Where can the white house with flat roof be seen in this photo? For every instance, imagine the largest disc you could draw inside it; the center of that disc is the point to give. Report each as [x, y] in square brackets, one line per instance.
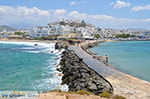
[86, 32]
[39, 32]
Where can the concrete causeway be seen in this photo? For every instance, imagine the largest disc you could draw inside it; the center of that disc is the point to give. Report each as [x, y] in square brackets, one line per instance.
[123, 84]
[94, 64]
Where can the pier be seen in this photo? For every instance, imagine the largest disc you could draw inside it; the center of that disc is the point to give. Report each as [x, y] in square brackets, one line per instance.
[93, 63]
[123, 84]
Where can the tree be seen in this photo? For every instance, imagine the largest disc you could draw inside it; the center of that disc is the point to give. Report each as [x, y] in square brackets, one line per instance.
[97, 36]
[124, 35]
[83, 24]
[19, 33]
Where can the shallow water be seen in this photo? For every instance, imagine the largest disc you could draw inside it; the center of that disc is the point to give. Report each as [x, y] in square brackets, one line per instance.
[133, 57]
[25, 67]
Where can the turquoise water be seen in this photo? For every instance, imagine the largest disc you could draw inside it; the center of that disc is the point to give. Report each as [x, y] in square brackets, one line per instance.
[133, 57]
[25, 67]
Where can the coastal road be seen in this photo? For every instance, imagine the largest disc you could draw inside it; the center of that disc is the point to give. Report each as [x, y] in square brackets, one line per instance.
[123, 84]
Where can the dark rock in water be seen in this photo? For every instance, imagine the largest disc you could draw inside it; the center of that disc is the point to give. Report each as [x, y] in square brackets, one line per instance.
[58, 69]
[35, 44]
[66, 80]
[56, 58]
[78, 76]
[60, 45]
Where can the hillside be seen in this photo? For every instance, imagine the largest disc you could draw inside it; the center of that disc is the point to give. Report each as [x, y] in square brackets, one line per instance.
[5, 27]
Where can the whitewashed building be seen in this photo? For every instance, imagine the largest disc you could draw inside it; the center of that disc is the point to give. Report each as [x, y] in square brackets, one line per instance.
[86, 32]
[5, 33]
[39, 32]
[82, 29]
[60, 29]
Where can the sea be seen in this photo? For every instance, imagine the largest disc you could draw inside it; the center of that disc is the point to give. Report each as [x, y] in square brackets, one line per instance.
[29, 66]
[131, 57]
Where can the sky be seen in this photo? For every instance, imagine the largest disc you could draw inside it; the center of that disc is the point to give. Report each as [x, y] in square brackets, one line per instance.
[119, 14]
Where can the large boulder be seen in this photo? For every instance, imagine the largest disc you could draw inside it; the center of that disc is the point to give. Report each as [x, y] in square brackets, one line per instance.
[61, 45]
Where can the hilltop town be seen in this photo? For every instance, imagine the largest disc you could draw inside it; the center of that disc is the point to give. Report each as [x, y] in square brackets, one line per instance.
[78, 29]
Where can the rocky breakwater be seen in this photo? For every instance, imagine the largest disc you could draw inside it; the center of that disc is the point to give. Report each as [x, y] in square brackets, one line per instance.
[78, 76]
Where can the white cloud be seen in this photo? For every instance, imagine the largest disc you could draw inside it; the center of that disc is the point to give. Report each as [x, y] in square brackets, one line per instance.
[30, 11]
[16, 15]
[140, 8]
[110, 21]
[60, 11]
[73, 3]
[78, 2]
[76, 14]
[36, 16]
[101, 17]
[120, 4]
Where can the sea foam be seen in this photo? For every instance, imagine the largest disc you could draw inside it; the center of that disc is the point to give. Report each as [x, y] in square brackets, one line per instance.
[53, 82]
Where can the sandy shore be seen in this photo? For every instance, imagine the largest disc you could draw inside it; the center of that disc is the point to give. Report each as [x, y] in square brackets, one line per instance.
[19, 40]
[123, 84]
[56, 95]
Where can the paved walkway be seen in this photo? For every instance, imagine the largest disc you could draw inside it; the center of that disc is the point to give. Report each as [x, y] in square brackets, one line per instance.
[94, 64]
[123, 84]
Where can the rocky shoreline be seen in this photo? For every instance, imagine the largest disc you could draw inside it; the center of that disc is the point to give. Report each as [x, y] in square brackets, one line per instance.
[87, 46]
[78, 76]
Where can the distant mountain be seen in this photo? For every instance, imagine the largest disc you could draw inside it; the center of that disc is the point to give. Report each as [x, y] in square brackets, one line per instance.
[22, 26]
[7, 28]
[138, 29]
